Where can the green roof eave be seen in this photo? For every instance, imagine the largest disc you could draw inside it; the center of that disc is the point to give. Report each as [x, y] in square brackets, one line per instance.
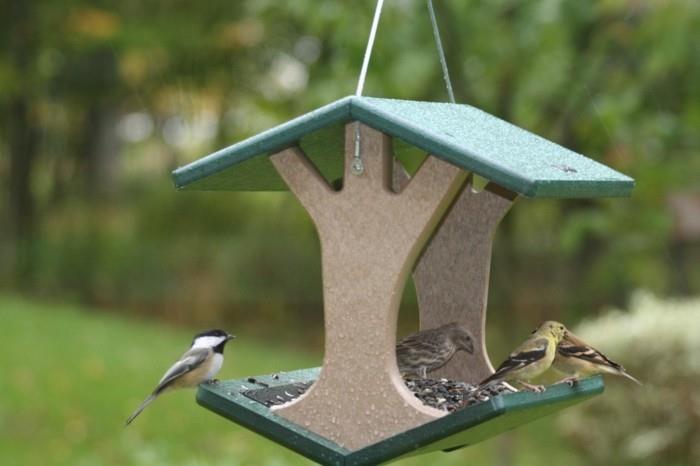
[265, 143]
[460, 134]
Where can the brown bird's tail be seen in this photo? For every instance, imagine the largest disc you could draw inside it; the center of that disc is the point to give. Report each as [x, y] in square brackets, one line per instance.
[625, 374]
[141, 407]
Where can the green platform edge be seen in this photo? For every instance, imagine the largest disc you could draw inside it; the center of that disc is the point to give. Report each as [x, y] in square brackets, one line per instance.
[460, 134]
[462, 428]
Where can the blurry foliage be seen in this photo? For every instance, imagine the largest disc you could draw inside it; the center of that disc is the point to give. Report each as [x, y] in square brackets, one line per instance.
[101, 99]
[658, 423]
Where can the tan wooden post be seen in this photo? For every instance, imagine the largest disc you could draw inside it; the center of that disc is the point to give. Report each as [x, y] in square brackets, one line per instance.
[452, 275]
[370, 239]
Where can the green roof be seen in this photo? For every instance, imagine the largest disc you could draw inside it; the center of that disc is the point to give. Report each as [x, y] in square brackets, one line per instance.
[460, 134]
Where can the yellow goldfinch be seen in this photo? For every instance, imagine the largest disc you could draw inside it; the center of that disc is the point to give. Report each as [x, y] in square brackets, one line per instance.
[577, 359]
[532, 358]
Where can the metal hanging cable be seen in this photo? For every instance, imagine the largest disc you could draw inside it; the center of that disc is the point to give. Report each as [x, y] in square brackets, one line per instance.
[370, 46]
[357, 167]
[441, 52]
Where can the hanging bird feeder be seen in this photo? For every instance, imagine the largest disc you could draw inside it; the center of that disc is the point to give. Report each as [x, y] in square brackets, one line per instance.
[378, 223]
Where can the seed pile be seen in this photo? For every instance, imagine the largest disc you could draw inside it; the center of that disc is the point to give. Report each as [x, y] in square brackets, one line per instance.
[443, 394]
[449, 395]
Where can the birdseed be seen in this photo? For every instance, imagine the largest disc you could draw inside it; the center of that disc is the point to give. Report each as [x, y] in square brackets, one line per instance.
[448, 395]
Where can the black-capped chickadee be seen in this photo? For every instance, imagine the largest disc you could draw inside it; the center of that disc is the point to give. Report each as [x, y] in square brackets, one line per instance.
[199, 364]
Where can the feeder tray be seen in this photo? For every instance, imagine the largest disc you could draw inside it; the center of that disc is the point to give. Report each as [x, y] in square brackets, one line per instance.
[244, 402]
[413, 208]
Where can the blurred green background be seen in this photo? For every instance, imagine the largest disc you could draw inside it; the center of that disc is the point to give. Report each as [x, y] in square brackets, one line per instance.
[106, 271]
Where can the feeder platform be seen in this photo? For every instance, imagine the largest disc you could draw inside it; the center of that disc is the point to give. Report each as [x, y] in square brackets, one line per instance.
[233, 399]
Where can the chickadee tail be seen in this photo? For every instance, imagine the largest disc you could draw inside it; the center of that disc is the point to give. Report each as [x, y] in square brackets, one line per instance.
[141, 407]
[625, 374]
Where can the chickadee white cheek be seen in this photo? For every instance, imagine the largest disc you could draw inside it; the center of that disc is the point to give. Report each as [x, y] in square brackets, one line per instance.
[208, 342]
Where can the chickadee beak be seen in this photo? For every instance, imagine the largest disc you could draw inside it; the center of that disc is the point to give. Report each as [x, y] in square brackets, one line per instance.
[230, 337]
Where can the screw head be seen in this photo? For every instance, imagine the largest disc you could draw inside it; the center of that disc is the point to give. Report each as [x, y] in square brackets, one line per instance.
[357, 167]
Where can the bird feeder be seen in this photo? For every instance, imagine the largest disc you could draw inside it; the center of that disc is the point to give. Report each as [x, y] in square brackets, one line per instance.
[377, 223]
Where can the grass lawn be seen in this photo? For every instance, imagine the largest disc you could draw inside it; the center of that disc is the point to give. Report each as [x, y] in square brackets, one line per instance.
[70, 377]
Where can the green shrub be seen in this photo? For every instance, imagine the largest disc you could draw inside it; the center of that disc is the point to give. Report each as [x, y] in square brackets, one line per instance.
[658, 342]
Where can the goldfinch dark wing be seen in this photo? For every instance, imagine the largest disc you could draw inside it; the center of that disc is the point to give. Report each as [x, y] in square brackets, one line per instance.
[189, 361]
[586, 353]
[519, 359]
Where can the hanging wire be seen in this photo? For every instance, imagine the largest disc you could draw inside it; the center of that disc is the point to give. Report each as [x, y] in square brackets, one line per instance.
[357, 167]
[441, 52]
[370, 45]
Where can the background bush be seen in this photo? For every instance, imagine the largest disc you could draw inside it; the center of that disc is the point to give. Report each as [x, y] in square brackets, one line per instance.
[659, 423]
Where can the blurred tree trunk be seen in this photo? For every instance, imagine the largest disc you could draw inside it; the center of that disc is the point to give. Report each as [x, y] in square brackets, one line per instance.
[88, 149]
[23, 148]
[23, 135]
[98, 150]
[97, 147]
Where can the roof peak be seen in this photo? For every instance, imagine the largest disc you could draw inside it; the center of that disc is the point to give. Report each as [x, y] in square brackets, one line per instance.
[458, 133]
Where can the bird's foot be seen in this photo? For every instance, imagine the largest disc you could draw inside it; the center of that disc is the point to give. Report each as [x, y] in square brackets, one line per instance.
[534, 388]
[570, 381]
[212, 382]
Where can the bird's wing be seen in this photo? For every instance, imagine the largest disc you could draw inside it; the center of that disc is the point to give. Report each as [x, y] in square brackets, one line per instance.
[580, 350]
[529, 353]
[426, 340]
[409, 346]
[424, 349]
[189, 361]
[572, 347]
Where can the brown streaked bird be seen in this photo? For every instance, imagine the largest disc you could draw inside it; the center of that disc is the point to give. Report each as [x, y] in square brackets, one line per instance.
[427, 350]
[532, 358]
[576, 359]
[199, 364]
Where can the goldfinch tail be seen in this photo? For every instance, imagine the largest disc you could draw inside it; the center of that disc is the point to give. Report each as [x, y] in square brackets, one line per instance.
[141, 407]
[625, 374]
